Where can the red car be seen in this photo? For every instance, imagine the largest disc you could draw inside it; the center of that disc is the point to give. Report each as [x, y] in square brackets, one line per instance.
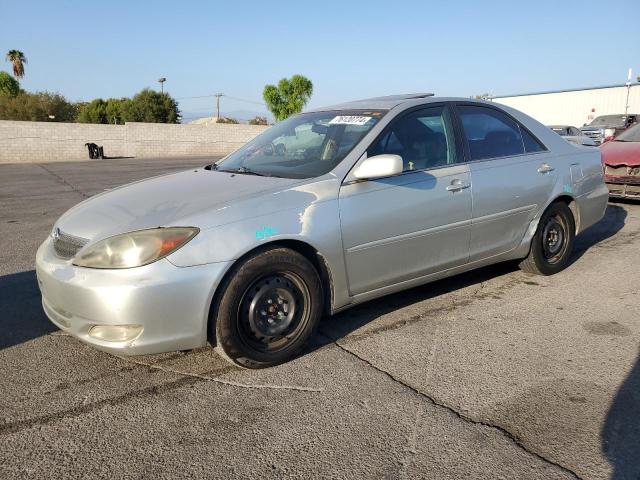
[621, 160]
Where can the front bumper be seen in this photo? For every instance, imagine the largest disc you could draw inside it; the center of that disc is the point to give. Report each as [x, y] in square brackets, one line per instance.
[621, 186]
[170, 303]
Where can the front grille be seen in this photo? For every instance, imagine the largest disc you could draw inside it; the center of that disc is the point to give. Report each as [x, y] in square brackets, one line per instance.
[622, 171]
[595, 135]
[66, 246]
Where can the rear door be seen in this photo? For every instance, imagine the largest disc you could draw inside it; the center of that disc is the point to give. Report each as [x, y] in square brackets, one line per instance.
[512, 175]
[403, 227]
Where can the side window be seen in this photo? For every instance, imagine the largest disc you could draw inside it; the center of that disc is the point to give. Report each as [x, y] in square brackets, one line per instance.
[490, 133]
[423, 138]
[531, 143]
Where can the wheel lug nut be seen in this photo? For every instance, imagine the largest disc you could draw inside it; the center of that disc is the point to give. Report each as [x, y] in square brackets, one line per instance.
[269, 301]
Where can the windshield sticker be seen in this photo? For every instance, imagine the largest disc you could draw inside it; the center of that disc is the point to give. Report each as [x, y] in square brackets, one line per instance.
[349, 120]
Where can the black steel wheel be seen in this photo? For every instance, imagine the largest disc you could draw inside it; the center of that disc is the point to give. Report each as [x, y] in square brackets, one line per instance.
[269, 307]
[552, 243]
[273, 311]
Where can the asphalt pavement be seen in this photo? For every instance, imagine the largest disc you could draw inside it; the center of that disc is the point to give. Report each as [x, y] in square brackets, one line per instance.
[490, 374]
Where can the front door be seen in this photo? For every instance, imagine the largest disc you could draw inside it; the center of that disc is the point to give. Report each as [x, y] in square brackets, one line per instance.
[404, 227]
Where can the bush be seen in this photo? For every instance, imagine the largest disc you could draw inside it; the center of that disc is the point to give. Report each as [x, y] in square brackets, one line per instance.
[9, 86]
[258, 121]
[227, 120]
[37, 107]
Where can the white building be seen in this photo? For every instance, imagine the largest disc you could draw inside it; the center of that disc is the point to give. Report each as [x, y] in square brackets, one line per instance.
[575, 107]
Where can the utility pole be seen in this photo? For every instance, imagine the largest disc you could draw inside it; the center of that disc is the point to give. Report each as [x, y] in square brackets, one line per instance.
[161, 80]
[218, 95]
[626, 104]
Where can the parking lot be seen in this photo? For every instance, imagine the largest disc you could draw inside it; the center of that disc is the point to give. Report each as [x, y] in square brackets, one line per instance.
[491, 374]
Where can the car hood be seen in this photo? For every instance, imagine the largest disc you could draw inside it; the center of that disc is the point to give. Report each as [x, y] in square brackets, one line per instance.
[600, 127]
[189, 198]
[621, 153]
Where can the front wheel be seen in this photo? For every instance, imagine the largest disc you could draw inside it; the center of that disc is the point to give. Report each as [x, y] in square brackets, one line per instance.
[270, 306]
[552, 243]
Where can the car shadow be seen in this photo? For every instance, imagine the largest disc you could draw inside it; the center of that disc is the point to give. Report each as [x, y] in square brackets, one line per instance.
[21, 315]
[620, 435]
[613, 221]
[342, 324]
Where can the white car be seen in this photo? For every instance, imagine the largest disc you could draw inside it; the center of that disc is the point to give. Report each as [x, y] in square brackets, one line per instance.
[573, 135]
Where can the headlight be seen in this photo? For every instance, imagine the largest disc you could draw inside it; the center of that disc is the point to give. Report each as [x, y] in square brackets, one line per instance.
[134, 249]
[609, 132]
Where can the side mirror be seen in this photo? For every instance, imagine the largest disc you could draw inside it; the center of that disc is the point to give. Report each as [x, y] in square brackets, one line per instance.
[379, 166]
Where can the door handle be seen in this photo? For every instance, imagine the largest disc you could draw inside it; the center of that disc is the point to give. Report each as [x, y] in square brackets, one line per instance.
[457, 185]
[545, 168]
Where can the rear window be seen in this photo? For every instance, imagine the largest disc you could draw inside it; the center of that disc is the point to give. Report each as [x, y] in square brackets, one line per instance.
[609, 120]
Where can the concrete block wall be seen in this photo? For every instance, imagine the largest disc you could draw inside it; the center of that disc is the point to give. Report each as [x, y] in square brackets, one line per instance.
[24, 142]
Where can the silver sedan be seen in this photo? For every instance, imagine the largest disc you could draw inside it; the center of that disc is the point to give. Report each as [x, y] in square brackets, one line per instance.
[322, 211]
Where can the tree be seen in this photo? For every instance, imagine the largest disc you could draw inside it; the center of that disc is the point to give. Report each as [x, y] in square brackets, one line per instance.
[93, 112]
[18, 60]
[289, 97]
[146, 106]
[9, 86]
[39, 107]
[102, 111]
[151, 106]
[258, 120]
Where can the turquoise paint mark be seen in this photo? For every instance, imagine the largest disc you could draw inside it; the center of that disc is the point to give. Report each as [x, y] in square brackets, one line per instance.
[266, 232]
[567, 188]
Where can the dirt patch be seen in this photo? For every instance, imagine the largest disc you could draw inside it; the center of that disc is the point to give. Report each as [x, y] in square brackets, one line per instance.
[607, 328]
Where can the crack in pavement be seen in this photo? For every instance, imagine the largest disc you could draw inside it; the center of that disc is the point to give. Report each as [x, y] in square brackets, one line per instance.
[185, 380]
[461, 416]
[61, 180]
[224, 382]
[83, 408]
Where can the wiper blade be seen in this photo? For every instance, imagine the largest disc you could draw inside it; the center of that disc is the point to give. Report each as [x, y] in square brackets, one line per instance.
[247, 171]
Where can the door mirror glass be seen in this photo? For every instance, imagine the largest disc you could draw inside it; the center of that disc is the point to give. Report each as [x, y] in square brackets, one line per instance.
[385, 165]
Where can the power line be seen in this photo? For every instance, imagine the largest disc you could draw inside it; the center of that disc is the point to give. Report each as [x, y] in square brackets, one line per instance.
[228, 96]
[245, 100]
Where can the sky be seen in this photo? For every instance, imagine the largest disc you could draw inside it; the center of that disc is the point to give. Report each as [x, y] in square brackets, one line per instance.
[350, 49]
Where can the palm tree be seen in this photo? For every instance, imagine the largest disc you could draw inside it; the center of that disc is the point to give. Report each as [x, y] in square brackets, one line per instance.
[17, 58]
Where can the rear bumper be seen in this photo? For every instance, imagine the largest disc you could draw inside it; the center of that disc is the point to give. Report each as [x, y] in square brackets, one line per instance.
[170, 303]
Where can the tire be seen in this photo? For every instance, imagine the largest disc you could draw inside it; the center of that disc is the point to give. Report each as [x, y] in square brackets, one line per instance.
[552, 243]
[270, 305]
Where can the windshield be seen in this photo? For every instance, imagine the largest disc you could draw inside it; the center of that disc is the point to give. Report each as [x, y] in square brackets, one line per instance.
[304, 146]
[630, 135]
[560, 130]
[609, 121]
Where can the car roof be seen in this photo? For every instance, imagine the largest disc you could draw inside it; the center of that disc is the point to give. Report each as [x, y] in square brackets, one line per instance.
[561, 126]
[390, 101]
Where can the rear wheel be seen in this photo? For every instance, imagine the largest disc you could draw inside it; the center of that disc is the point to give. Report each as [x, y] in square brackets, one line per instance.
[270, 306]
[552, 243]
